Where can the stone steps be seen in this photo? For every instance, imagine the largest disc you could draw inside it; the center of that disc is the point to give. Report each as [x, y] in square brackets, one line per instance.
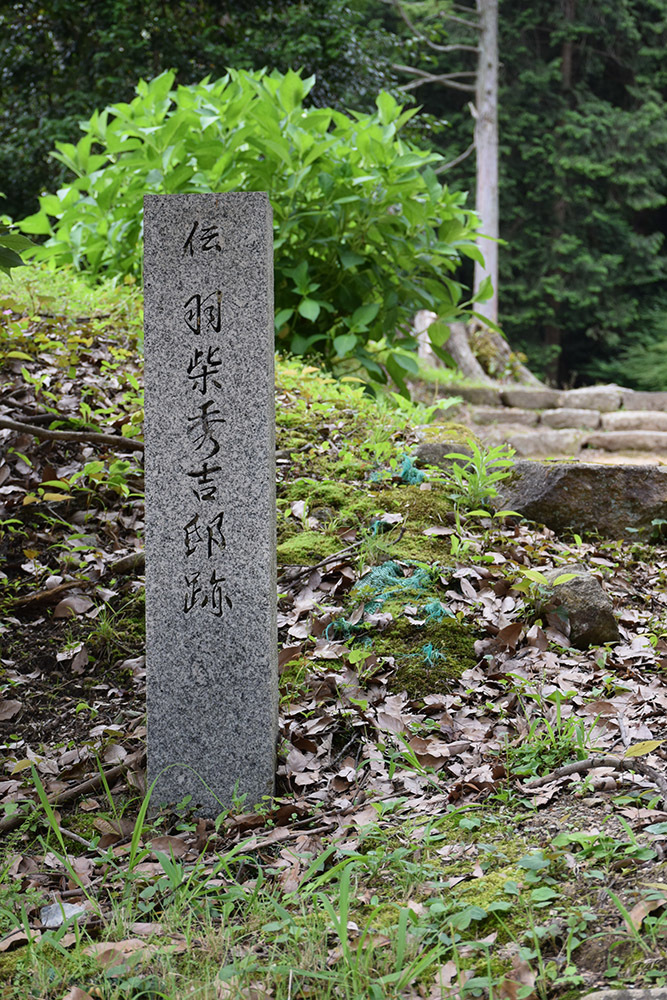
[597, 423]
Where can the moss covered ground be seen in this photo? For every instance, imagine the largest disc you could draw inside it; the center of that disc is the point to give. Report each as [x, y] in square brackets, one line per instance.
[404, 855]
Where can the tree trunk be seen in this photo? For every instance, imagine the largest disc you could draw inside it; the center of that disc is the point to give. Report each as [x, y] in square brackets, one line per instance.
[458, 346]
[486, 149]
[552, 332]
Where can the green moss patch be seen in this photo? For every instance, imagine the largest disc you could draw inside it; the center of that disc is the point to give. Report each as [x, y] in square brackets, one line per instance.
[307, 548]
[429, 656]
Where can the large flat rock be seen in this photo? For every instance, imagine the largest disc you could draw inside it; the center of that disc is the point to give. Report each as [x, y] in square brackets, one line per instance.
[527, 398]
[633, 400]
[595, 397]
[478, 395]
[581, 497]
[635, 420]
[565, 417]
[655, 441]
[504, 415]
[544, 441]
[650, 993]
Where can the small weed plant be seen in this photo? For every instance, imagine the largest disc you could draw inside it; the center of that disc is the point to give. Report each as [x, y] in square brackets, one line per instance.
[472, 480]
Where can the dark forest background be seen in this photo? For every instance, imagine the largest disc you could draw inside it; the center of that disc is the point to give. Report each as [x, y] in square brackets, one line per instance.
[583, 134]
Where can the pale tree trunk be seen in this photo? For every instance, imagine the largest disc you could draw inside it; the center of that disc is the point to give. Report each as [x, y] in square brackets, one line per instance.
[486, 149]
[505, 363]
[502, 363]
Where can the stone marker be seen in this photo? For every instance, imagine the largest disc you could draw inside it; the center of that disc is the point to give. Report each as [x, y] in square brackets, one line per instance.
[211, 643]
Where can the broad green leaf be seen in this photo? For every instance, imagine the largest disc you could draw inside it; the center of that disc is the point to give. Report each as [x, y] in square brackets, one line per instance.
[38, 224]
[364, 315]
[643, 748]
[564, 578]
[344, 344]
[485, 290]
[9, 259]
[536, 576]
[406, 361]
[309, 309]
[543, 894]
[387, 106]
[439, 333]
[472, 251]
[349, 259]
[14, 241]
[282, 317]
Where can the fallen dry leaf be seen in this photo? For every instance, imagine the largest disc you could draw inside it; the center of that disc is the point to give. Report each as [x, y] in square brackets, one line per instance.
[70, 607]
[110, 953]
[9, 708]
[642, 909]
[17, 938]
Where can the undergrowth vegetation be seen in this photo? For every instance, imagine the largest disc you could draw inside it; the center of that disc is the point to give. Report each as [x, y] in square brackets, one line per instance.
[364, 231]
[422, 842]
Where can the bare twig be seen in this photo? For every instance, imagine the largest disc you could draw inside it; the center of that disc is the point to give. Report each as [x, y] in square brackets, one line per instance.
[83, 436]
[51, 596]
[305, 570]
[425, 77]
[458, 159]
[461, 20]
[77, 319]
[76, 838]
[625, 735]
[424, 38]
[16, 819]
[605, 760]
[339, 756]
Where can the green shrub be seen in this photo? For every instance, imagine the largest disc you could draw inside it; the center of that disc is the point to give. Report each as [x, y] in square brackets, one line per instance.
[365, 234]
[12, 245]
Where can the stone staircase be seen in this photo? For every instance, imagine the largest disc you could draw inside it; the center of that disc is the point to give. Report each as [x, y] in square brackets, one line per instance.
[606, 423]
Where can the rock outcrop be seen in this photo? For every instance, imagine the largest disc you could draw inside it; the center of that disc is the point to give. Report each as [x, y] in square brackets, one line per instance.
[618, 501]
[582, 604]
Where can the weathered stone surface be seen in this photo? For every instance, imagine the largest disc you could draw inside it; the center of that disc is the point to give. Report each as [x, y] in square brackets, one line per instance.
[635, 420]
[503, 415]
[210, 498]
[584, 604]
[478, 395]
[577, 497]
[435, 452]
[544, 441]
[632, 400]
[595, 397]
[651, 993]
[566, 417]
[629, 441]
[531, 399]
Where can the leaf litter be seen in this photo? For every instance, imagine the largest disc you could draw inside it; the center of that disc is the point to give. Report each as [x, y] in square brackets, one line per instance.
[356, 752]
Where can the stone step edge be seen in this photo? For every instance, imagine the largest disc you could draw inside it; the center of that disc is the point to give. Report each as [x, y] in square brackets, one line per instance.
[588, 398]
[566, 419]
[573, 442]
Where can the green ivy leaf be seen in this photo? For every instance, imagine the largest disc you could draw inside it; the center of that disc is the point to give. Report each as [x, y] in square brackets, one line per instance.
[309, 309]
